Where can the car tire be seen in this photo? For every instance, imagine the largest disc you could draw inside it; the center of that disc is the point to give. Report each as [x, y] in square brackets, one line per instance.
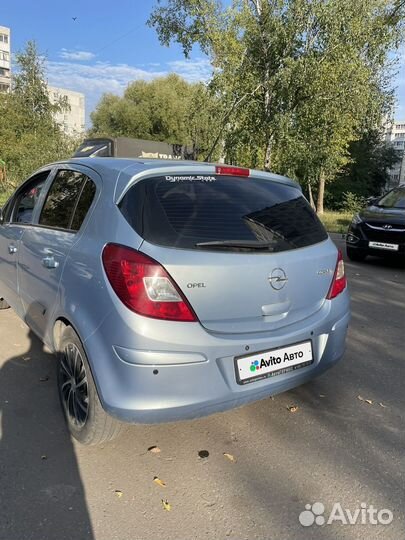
[355, 254]
[86, 419]
[3, 304]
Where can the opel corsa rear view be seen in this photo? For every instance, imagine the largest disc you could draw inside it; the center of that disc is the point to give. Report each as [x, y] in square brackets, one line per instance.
[170, 290]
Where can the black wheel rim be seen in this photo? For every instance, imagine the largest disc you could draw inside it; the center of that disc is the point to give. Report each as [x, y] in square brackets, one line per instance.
[73, 385]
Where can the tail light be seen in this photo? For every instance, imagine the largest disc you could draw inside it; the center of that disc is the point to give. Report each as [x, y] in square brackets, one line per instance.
[144, 286]
[339, 281]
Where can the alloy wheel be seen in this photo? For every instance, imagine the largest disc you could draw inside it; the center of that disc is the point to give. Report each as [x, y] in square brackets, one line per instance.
[73, 385]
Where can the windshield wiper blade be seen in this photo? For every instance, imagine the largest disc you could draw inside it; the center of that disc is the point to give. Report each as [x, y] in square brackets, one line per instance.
[248, 244]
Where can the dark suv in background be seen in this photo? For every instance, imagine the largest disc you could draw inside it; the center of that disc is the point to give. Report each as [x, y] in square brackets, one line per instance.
[379, 229]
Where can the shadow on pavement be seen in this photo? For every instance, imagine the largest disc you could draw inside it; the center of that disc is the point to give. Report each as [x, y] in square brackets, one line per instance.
[42, 495]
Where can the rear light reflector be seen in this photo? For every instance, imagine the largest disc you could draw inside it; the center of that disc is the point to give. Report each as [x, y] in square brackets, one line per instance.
[231, 171]
[144, 286]
[339, 281]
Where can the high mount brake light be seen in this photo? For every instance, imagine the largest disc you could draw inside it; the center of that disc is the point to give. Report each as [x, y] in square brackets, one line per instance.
[339, 281]
[231, 171]
[144, 286]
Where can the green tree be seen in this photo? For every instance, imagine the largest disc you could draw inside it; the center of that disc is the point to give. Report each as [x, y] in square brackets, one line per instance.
[165, 109]
[366, 173]
[29, 135]
[300, 79]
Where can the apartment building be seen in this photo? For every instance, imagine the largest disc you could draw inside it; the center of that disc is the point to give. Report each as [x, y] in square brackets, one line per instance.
[5, 59]
[395, 135]
[72, 122]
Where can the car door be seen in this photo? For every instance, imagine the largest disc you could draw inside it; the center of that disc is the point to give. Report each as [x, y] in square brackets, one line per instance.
[17, 216]
[46, 243]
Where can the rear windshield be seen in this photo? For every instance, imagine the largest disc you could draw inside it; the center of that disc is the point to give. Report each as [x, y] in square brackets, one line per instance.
[221, 213]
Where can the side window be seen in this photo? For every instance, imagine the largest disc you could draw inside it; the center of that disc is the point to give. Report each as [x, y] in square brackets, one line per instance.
[86, 198]
[27, 199]
[68, 200]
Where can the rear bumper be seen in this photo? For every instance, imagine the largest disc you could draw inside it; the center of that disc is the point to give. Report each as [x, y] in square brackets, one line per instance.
[150, 386]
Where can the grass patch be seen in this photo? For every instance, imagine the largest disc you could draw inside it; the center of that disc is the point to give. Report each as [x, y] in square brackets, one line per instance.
[336, 222]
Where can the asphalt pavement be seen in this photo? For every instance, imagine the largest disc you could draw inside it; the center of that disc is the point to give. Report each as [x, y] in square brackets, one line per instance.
[338, 441]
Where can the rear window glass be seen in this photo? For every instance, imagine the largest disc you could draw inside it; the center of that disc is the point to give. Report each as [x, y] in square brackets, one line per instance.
[221, 213]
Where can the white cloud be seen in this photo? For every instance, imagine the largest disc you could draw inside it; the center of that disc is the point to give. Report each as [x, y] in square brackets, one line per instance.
[196, 70]
[97, 78]
[82, 56]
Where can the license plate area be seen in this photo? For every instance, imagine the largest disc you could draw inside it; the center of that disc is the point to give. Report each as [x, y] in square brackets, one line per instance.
[383, 245]
[269, 363]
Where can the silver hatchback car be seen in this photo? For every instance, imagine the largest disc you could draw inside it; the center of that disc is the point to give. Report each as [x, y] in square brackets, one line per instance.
[170, 290]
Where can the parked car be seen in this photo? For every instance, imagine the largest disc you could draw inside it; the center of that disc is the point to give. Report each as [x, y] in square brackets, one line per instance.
[379, 229]
[170, 290]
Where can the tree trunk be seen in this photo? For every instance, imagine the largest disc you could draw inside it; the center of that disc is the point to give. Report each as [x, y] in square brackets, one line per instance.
[321, 192]
[311, 197]
[267, 158]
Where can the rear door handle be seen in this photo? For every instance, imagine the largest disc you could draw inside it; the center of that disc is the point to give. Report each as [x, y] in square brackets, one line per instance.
[49, 262]
[12, 249]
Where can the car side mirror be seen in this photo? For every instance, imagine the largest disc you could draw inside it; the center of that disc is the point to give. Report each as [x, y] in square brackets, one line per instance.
[372, 200]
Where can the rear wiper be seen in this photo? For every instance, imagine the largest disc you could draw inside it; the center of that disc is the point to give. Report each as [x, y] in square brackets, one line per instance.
[248, 244]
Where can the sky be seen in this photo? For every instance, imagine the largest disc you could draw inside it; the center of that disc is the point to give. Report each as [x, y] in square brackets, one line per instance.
[108, 46]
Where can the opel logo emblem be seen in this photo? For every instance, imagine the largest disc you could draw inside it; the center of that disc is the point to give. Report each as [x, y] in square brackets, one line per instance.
[278, 279]
[387, 226]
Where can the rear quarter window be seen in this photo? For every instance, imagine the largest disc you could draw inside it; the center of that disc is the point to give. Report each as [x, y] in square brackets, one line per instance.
[191, 211]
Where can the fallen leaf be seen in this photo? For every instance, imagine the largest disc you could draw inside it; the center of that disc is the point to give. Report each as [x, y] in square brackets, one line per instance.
[118, 493]
[382, 405]
[154, 449]
[203, 454]
[159, 482]
[166, 505]
[365, 400]
[292, 408]
[230, 457]
[44, 379]
[322, 395]
[44, 456]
